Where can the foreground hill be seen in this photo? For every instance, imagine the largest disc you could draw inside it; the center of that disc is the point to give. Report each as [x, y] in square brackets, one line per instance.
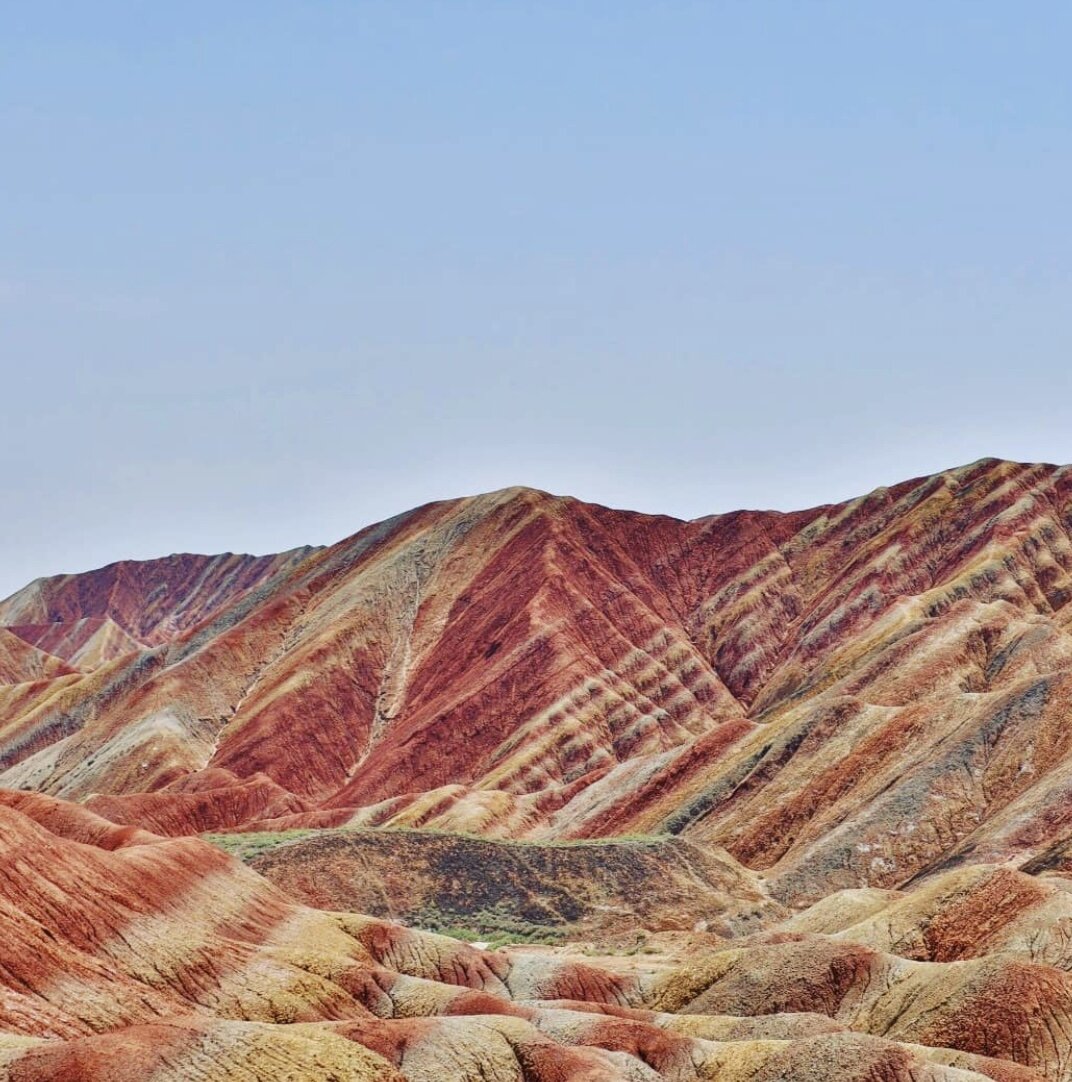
[128, 957]
[512, 890]
[853, 695]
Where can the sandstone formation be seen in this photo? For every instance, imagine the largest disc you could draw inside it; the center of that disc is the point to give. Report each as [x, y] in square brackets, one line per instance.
[826, 750]
[149, 601]
[520, 665]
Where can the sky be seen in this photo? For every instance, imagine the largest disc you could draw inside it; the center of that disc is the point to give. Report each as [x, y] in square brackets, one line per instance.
[270, 272]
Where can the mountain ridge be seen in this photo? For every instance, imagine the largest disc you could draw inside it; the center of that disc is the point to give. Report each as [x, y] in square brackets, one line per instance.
[521, 664]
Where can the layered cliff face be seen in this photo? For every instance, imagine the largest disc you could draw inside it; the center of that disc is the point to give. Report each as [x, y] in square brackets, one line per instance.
[824, 755]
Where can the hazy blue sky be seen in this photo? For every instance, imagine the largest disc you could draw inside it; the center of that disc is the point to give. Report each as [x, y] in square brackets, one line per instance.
[269, 272]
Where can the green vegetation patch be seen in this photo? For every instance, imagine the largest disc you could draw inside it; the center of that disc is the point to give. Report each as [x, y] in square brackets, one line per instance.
[248, 847]
[495, 925]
